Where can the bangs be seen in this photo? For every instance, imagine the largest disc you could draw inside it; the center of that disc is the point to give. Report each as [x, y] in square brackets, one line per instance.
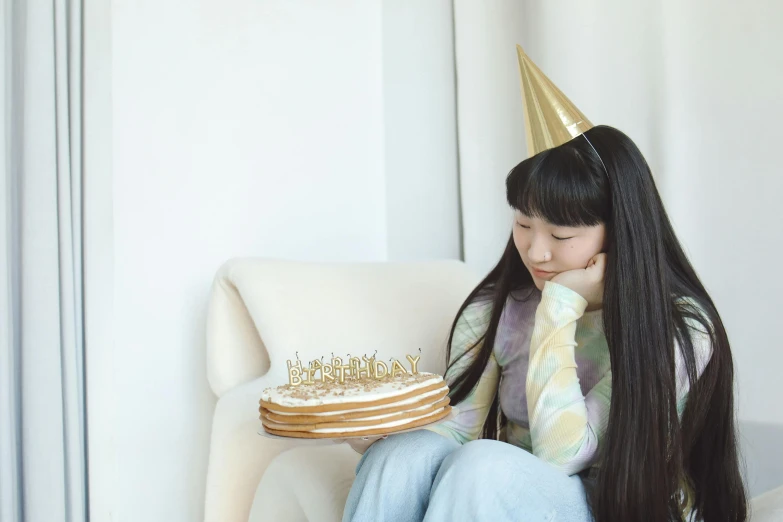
[558, 186]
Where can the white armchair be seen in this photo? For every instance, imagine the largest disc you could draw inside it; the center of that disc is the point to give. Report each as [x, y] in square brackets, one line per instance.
[263, 312]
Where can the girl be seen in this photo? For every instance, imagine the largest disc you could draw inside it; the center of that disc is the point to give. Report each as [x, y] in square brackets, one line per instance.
[594, 353]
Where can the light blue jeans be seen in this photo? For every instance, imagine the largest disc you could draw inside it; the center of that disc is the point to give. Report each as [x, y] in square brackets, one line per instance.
[422, 476]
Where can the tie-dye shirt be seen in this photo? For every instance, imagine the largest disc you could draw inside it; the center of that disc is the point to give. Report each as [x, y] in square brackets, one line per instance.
[550, 364]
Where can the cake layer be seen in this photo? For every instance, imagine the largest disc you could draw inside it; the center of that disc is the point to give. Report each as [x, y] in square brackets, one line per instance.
[358, 413]
[380, 429]
[374, 420]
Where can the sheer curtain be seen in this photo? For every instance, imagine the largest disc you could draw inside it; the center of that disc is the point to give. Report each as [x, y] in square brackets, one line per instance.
[42, 414]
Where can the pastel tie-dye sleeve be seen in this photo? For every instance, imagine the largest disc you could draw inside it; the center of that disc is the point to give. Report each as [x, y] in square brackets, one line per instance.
[564, 424]
[472, 412]
[566, 427]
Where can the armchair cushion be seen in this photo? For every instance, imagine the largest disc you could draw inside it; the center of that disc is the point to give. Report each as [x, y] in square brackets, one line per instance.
[308, 483]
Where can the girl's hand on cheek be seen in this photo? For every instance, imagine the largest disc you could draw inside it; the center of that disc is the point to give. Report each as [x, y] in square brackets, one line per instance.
[587, 282]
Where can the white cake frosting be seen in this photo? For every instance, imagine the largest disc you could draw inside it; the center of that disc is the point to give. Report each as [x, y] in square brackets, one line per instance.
[385, 415]
[350, 392]
[404, 402]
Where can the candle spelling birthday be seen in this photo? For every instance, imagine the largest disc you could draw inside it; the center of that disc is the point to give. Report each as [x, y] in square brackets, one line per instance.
[353, 368]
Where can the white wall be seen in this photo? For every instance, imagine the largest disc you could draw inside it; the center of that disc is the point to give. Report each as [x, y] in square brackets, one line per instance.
[723, 113]
[307, 130]
[724, 76]
[420, 147]
[491, 136]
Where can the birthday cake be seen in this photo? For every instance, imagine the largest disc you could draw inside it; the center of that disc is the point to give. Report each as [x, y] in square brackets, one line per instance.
[359, 401]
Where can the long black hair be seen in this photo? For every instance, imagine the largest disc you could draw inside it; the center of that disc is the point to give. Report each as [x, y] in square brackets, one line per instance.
[648, 455]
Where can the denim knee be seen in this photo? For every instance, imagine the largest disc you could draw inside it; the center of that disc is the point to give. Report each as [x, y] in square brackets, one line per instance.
[510, 480]
[420, 447]
[394, 477]
[471, 456]
[486, 462]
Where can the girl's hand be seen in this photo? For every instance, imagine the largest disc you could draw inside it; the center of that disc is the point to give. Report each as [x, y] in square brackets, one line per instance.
[587, 282]
[360, 445]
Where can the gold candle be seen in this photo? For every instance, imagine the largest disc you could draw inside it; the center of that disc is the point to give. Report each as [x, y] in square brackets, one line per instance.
[380, 370]
[397, 368]
[294, 373]
[326, 373]
[345, 369]
[414, 363]
[308, 375]
[370, 363]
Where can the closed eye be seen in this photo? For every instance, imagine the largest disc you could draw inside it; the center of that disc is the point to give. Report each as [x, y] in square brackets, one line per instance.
[523, 226]
[561, 238]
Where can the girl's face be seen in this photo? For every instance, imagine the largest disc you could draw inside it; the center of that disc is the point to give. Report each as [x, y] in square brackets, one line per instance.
[546, 249]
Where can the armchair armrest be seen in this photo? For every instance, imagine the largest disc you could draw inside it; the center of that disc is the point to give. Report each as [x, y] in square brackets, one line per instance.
[238, 455]
[235, 352]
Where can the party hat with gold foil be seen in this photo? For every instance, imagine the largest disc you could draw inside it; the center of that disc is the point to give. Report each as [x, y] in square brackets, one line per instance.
[550, 117]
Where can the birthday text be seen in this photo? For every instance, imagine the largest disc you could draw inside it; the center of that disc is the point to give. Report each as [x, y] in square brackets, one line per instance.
[354, 368]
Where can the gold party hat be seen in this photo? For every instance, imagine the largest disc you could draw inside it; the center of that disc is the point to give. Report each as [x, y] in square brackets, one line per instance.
[550, 117]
